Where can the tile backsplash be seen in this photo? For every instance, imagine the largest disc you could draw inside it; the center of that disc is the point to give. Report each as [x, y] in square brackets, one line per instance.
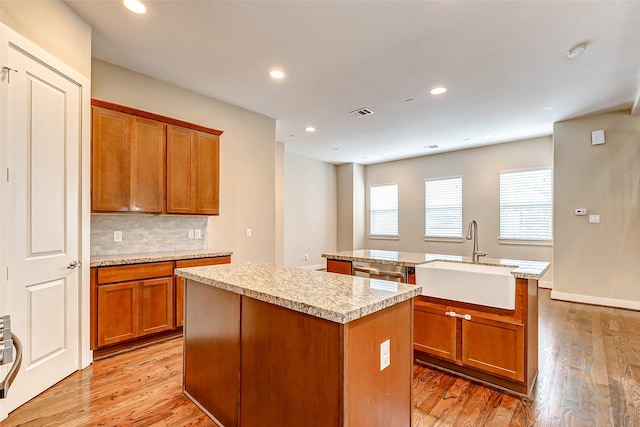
[146, 233]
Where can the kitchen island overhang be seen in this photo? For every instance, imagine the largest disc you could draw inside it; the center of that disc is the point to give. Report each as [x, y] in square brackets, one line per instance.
[271, 345]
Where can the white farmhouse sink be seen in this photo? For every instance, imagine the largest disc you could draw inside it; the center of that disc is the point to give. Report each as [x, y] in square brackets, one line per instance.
[488, 285]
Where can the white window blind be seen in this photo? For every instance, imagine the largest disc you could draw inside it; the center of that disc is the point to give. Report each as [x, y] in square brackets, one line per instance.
[383, 210]
[443, 207]
[526, 204]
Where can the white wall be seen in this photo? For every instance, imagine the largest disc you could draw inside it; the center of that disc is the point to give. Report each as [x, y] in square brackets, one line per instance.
[597, 263]
[247, 156]
[54, 27]
[480, 170]
[310, 211]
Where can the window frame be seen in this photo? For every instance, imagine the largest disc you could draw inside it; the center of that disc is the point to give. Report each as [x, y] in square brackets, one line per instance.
[445, 238]
[525, 240]
[384, 236]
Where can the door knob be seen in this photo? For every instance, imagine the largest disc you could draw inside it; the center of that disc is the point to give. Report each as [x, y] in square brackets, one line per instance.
[74, 264]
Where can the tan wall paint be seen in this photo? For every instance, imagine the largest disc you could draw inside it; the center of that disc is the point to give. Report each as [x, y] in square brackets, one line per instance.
[351, 202]
[597, 263]
[480, 170]
[310, 211]
[280, 200]
[53, 26]
[247, 155]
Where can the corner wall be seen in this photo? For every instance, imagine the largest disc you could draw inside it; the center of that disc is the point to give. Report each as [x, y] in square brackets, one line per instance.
[310, 211]
[480, 170]
[597, 263]
[247, 156]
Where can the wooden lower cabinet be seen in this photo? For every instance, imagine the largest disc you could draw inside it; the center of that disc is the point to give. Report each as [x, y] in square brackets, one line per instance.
[133, 309]
[131, 304]
[493, 346]
[470, 339]
[434, 332]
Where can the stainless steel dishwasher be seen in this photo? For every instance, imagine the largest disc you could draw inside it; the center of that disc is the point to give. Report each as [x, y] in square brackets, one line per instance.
[372, 270]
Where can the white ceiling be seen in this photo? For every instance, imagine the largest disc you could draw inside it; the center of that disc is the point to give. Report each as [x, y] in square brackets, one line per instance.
[504, 63]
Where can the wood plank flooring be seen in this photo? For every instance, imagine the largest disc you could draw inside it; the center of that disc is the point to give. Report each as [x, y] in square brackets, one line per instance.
[589, 376]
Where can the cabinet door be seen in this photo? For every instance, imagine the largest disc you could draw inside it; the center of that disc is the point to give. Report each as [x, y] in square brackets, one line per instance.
[493, 346]
[206, 173]
[147, 159]
[193, 162]
[117, 312]
[339, 266]
[434, 332]
[179, 170]
[111, 134]
[156, 305]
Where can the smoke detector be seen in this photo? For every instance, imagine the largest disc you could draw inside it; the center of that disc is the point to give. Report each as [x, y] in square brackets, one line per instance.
[361, 112]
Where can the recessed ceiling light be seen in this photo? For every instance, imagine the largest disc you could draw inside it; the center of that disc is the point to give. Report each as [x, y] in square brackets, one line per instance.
[135, 6]
[310, 129]
[467, 139]
[576, 51]
[431, 147]
[277, 74]
[438, 90]
[488, 136]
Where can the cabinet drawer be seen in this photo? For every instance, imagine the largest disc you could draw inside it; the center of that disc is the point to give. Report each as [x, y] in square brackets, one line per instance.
[203, 261]
[123, 273]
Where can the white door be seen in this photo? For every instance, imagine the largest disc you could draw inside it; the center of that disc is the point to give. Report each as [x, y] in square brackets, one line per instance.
[40, 203]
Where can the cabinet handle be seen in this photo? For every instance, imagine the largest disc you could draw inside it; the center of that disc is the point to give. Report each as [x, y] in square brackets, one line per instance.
[459, 316]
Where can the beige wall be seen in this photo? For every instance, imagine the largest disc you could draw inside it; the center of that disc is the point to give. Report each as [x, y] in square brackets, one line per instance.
[351, 204]
[53, 26]
[310, 211]
[597, 263]
[480, 170]
[247, 156]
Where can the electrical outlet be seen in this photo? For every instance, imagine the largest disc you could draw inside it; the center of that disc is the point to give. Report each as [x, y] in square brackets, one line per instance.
[190, 234]
[198, 234]
[305, 257]
[385, 354]
[248, 232]
[117, 236]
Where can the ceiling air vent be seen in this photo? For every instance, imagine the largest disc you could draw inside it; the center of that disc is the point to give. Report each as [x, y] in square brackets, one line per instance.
[361, 112]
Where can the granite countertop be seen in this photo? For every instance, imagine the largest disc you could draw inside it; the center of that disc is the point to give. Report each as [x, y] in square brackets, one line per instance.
[524, 269]
[139, 258]
[335, 297]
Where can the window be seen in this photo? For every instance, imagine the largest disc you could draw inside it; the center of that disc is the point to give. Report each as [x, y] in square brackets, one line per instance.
[383, 210]
[443, 207]
[526, 204]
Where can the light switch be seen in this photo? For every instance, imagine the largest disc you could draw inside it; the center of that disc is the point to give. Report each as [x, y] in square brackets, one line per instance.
[385, 354]
[190, 234]
[581, 211]
[594, 219]
[117, 236]
[198, 234]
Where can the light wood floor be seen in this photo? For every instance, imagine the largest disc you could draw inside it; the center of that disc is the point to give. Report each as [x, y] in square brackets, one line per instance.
[589, 376]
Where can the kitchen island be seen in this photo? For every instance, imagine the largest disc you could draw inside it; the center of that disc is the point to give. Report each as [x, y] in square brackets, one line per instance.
[270, 345]
[497, 346]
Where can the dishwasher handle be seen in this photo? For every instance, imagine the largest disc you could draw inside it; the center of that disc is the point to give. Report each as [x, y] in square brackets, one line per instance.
[376, 272]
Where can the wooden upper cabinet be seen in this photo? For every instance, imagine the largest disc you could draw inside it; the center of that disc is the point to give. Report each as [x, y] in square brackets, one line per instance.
[144, 162]
[193, 161]
[128, 156]
[111, 136]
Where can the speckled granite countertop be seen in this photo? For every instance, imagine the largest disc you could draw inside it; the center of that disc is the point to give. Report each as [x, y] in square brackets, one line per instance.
[524, 269]
[124, 259]
[336, 297]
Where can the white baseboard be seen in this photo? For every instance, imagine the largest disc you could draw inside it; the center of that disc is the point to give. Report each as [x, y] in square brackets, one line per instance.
[545, 284]
[588, 299]
[314, 267]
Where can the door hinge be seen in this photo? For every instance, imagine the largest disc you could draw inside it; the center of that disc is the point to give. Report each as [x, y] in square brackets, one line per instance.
[8, 70]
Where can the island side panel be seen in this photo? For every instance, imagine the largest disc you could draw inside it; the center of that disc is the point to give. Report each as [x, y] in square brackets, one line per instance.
[292, 368]
[532, 330]
[212, 351]
[374, 397]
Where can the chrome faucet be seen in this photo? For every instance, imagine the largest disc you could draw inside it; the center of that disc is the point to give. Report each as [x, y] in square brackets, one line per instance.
[472, 233]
